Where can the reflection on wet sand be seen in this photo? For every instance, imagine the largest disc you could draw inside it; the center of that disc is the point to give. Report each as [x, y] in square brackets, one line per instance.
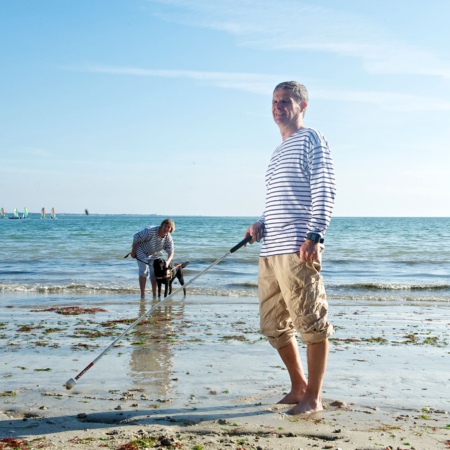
[151, 361]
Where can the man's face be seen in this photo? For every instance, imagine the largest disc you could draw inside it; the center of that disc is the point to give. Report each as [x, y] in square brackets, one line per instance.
[285, 107]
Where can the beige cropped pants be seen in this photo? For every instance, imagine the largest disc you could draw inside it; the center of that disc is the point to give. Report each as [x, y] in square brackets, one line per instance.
[292, 298]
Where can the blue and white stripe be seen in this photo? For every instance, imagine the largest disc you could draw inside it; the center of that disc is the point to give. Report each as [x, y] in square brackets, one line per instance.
[149, 244]
[300, 195]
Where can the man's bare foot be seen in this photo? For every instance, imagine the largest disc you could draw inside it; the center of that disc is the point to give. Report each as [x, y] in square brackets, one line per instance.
[307, 405]
[293, 397]
[142, 297]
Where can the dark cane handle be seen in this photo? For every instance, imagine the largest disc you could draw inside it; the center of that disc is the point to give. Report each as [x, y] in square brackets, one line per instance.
[241, 244]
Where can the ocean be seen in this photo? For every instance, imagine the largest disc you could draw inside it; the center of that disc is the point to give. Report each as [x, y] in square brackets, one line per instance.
[388, 287]
[370, 259]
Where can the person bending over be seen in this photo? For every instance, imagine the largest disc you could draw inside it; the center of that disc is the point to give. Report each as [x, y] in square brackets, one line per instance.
[147, 246]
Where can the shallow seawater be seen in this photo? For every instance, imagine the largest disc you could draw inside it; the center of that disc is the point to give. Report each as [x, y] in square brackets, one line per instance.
[368, 259]
[205, 352]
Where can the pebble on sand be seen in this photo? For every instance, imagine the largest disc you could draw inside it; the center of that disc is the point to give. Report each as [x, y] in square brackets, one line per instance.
[338, 404]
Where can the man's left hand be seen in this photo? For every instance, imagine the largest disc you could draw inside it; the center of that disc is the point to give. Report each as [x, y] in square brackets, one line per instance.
[309, 251]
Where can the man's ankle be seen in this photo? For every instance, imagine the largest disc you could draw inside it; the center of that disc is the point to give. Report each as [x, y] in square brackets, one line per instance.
[300, 386]
[314, 397]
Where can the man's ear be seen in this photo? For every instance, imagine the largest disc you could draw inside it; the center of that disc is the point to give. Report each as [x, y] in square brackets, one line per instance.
[303, 106]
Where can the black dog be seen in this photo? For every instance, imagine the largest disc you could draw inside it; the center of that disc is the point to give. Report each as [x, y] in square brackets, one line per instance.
[167, 276]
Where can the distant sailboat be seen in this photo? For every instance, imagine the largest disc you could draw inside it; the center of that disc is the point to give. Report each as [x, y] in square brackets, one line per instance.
[16, 215]
[3, 216]
[25, 214]
[53, 216]
[43, 213]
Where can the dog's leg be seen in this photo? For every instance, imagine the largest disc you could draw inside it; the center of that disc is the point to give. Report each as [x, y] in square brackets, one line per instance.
[165, 288]
[181, 280]
[159, 288]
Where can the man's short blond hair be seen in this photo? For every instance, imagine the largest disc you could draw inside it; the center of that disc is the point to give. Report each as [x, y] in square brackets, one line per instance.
[168, 222]
[299, 90]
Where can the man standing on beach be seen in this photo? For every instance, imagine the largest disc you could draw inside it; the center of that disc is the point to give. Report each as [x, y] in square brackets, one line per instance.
[299, 200]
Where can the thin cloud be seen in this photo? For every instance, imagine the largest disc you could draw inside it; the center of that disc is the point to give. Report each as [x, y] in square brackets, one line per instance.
[393, 101]
[263, 84]
[296, 25]
[8, 170]
[256, 83]
[35, 151]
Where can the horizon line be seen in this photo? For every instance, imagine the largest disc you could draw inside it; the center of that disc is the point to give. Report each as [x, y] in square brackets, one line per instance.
[203, 215]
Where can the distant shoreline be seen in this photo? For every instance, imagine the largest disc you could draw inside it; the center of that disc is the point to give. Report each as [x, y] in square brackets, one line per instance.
[59, 214]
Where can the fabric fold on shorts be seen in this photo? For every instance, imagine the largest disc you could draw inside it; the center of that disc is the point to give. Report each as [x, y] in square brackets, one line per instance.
[292, 298]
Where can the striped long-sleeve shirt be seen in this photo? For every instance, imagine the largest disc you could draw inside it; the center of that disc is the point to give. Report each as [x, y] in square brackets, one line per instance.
[149, 244]
[300, 193]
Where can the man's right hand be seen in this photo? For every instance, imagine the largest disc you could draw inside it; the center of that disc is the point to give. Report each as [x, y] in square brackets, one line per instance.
[256, 231]
[133, 254]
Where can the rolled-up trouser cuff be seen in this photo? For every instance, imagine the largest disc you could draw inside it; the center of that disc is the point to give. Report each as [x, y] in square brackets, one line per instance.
[283, 340]
[307, 339]
[315, 338]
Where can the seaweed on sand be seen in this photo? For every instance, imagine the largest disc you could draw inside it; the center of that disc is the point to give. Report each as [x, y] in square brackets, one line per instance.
[113, 323]
[22, 444]
[71, 310]
[27, 328]
[92, 334]
[157, 320]
[81, 346]
[234, 338]
[137, 444]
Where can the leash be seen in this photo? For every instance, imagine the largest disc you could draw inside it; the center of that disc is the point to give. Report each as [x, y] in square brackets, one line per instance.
[126, 256]
[172, 269]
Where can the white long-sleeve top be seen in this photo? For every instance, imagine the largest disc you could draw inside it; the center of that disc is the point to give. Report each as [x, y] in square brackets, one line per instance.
[149, 244]
[301, 189]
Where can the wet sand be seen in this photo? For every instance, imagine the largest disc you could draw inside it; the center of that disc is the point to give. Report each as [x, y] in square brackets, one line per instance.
[198, 370]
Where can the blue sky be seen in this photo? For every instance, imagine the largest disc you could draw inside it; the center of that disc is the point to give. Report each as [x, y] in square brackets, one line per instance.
[143, 106]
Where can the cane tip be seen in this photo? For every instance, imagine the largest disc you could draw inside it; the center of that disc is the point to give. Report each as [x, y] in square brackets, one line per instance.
[70, 384]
